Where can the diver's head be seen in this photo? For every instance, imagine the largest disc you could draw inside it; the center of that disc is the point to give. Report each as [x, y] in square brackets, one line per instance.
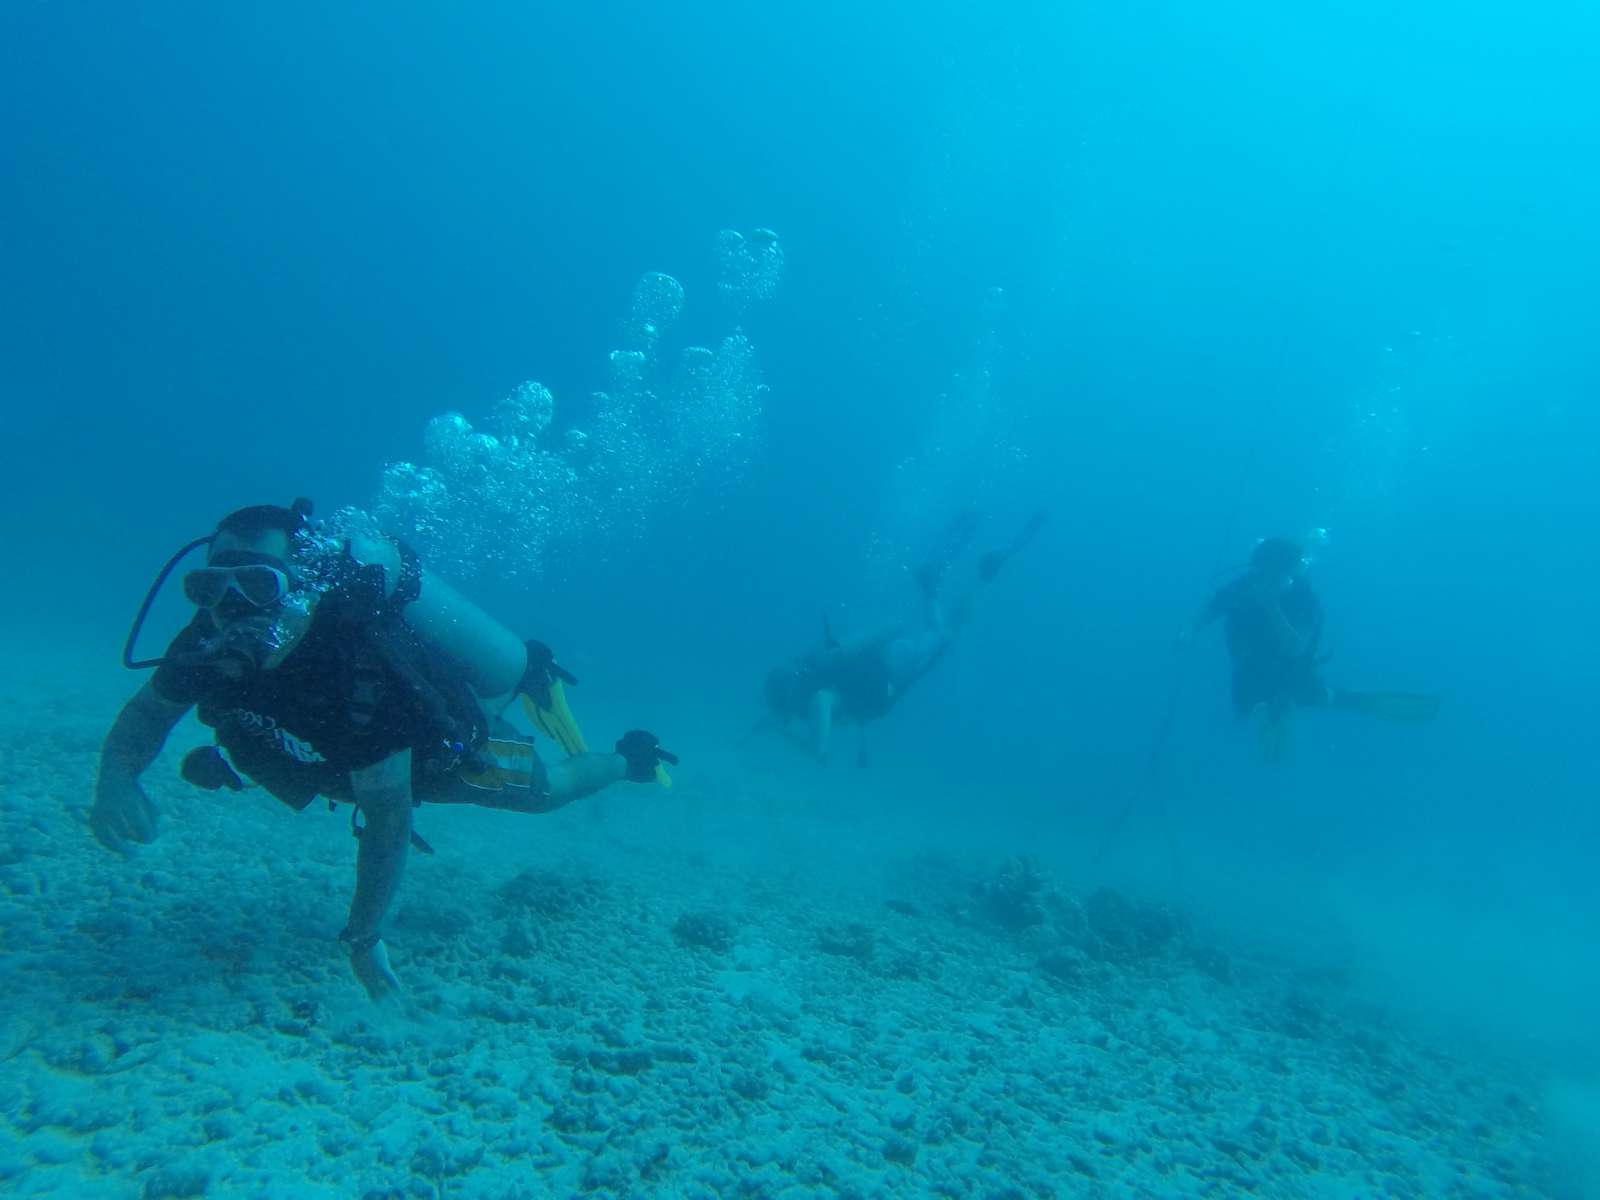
[263, 528]
[249, 569]
[1278, 558]
[248, 577]
[246, 587]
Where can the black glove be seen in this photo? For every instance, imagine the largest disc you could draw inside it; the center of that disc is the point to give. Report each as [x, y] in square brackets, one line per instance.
[644, 753]
[543, 670]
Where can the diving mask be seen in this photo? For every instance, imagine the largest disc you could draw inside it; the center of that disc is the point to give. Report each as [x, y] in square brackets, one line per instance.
[260, 584]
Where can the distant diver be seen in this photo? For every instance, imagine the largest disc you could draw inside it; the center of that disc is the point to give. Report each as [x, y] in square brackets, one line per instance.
[341, 668]
[1273, 623]
[860, 681]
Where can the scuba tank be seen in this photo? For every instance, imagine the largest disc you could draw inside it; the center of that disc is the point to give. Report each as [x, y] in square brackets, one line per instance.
[486, 653]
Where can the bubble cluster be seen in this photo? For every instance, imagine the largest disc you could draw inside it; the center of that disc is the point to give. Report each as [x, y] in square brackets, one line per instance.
[970, 455]
[657, 304]
[319, 552]
[522, 416]
[1384, 429]
[529, 485]
[748, 268]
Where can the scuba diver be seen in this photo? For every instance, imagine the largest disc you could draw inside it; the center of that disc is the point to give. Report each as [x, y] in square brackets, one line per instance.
[1273, 623]
[341, 668]
[862, 680]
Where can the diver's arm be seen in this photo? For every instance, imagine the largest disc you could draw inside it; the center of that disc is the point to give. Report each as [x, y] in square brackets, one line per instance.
[383, 793]
[820, 718]
[139, 732]
[122, 812]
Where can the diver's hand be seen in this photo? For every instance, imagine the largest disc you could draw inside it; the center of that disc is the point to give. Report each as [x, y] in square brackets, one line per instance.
[643, 753]
[122, 813]
[371, 966]
[542, 673]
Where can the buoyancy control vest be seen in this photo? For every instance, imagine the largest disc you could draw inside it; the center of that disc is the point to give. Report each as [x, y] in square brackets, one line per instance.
[359, 687]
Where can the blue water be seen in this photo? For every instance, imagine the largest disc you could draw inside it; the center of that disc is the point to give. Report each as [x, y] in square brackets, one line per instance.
[1187, 276]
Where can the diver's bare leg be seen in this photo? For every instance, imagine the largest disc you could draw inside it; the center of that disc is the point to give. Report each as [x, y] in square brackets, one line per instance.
[568, 780]
[383, 793]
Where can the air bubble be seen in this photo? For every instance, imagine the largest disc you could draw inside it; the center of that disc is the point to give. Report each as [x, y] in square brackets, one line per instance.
[504, 498]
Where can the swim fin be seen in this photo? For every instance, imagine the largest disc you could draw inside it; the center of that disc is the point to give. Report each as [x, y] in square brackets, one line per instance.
[989, 565]
[544, 699]
[554, 719]
[1406, 708]
[952, 540]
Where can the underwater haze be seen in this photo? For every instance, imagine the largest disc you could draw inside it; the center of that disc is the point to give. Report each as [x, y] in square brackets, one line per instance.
[666, 333]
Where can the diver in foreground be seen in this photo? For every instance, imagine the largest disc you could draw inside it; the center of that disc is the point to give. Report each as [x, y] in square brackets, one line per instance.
[862, 680]
[1273, 622]
[341, 668]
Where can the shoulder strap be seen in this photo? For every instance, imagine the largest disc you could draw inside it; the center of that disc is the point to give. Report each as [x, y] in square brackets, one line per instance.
[451, 713]
[361, 593]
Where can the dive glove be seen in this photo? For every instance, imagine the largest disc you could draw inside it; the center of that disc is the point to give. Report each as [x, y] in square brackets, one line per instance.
[644, 754]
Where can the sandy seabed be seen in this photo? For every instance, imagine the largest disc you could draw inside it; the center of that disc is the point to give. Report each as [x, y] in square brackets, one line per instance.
[625, 999]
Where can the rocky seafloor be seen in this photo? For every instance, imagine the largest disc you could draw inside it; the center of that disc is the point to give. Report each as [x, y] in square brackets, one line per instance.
[603, 1002]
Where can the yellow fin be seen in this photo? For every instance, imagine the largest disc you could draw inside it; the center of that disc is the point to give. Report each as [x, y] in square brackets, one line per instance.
[556, 722]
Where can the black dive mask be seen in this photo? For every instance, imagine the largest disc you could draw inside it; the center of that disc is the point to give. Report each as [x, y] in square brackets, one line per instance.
[258, 584]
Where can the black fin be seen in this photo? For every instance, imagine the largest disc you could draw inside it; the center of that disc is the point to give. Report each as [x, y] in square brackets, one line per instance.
[989, 565]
